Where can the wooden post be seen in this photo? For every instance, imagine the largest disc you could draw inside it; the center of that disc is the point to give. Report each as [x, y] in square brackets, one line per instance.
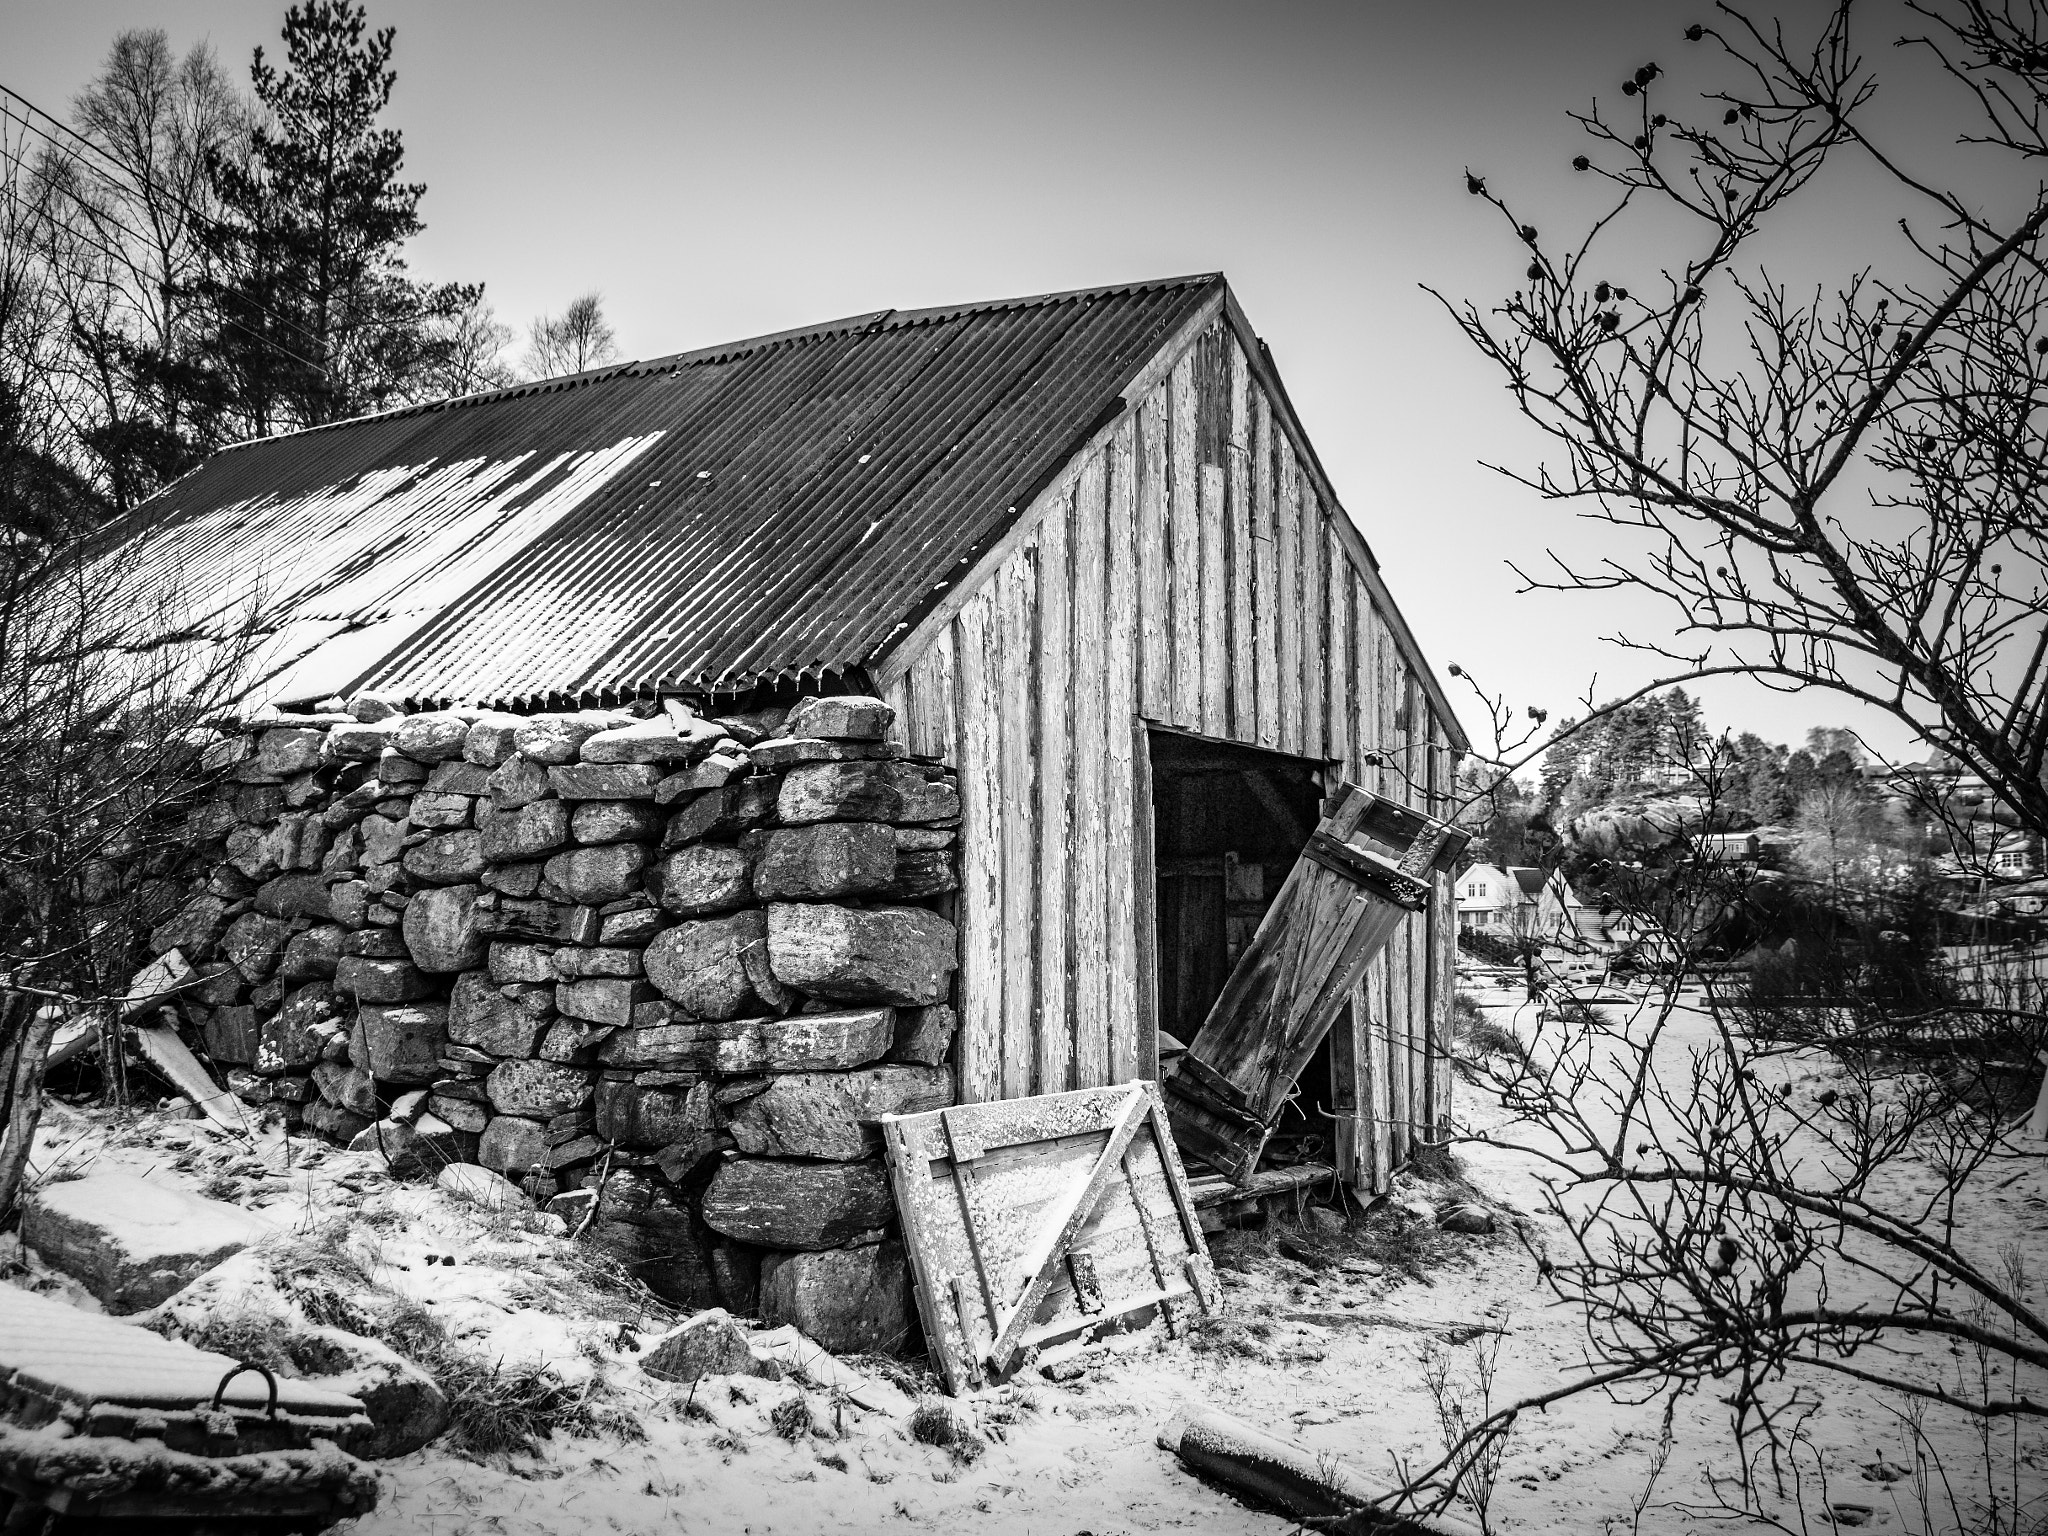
[2037, 1123]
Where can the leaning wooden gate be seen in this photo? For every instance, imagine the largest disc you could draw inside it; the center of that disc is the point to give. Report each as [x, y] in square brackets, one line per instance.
[1367, 866]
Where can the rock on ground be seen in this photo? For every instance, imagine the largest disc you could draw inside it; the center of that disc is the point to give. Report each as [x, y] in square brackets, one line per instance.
[131, 1242]
[850, 1300]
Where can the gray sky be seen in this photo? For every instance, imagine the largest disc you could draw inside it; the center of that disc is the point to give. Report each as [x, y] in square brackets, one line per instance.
[720, 170]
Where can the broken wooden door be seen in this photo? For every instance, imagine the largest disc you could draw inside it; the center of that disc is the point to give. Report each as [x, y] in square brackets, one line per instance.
[1368, 864]
[1032, 1223]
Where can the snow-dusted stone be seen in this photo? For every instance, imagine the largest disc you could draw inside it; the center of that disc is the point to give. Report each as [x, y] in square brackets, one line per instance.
[364, 742]
[902, 955]
[334, 1121]
[370, 708]
[281, 753]
[255, 943]
[709, 1344]
[296, 1035]
[350, 1088]
[643, 1116]
[702, 967]
[440, 929]
[482, 1017]
[557, 738]
[258, 854]
[452, 858]
[820, 862]
[833, 1115]
[527, 830]
[371, 980]
[661, 740]
[492, 1191]
[418, 1149]
[537, 1090]
[432, 737]
[797, 1205]
[403, 1043]
[852, 1301]
[712, 773]
[596, 875]
[803, 1042]
[924, 1036]
[406, 1407]
[511, 1145]
[463, 1114]
[348, 902]
[840, 717]
[867, 791]
[710, 877]
[614, 821]
[492, 739]
[133, 1242]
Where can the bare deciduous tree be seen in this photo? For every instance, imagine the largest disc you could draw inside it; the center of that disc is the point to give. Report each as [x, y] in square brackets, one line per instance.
[576, 339]
[1842, 488]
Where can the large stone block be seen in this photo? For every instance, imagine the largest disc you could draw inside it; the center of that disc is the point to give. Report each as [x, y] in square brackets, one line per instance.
[486, 1019]
[295, 895]
[663, 740]
[452, 858]
[602, 1000]
[526, 831]
[414, 1150]
[133, 1242]
[614, 821]
[403, 1042]
[432, 737]
[709, 877]
[456, 777]
[558, 738]
[518, 781]
[604, 781]
[825, 860]
[538, 1090]
[364, 741]
[702, 967]
[492, 739]
[709, 1344]
[833, 1115]
[194, 930]
[924, 1036]
[555, 922]
[440, 813]
[512, 1146]
[713, 773]
[255, 943]
[841, 717]
[922, 875]
[440, 928]
[638, 1115]
[741, 806]
[380, 981]
[576, 964]
[901, 955]
[630, 924]
[231, 1034]
[383, 839]
[797, 1205]
[598, 875]
[864, 791]
[851, 1301]
[803, 1042]
[522, 962]
[352, 1088]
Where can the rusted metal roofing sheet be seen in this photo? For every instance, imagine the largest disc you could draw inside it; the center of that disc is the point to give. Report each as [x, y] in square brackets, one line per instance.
[777, 506]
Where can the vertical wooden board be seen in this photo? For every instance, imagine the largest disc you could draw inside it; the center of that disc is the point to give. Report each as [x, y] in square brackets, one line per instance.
[1119, 716]
[1392, 785]
[933, 703]
[1018, 688]
[897, 697]
[1366, 689]
[1287, 549]
[1315, 619]
[1265, 575]
[1051, 1062]
[980, 907]
[1155, 572]
[1215, 603]
[1090, 897]
[1373, 1101]
[1399, 1046]
[1419, 1102]
[1348, 1047]
[1443, 953]
[1244, 717]
[1343, 675]
[1186, 514]
[1145, 920]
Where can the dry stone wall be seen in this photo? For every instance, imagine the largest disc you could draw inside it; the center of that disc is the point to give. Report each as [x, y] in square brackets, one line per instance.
[665, 971]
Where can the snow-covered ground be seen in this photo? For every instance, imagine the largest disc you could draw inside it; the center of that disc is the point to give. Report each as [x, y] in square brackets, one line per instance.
[1329, 1355]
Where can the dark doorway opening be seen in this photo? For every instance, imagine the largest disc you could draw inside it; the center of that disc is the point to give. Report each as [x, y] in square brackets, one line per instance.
[1228, 823]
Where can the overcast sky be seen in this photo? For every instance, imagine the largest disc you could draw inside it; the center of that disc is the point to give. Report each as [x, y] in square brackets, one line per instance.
[718, 170]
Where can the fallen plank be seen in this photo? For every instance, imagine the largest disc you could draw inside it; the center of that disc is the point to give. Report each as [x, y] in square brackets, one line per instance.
[1456, 1332]
[1307, 1485]
[162, 1048]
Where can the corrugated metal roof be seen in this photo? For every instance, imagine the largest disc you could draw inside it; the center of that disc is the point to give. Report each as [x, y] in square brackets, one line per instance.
[775, 506]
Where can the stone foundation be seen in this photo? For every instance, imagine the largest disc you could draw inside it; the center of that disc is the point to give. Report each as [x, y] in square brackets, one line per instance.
[684, 963]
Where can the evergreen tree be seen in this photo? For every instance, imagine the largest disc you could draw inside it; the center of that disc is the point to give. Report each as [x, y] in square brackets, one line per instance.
[316, 317]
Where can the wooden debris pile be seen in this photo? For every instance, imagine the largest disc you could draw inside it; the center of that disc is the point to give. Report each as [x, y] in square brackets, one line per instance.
[671, 967]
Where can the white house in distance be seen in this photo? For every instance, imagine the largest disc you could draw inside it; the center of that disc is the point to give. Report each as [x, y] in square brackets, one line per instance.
[1520, 900]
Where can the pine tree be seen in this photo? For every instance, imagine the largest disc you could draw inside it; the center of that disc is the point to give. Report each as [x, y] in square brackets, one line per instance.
[316, 317]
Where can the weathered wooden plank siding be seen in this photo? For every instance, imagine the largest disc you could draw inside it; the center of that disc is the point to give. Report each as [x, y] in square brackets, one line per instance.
[1183, 570]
